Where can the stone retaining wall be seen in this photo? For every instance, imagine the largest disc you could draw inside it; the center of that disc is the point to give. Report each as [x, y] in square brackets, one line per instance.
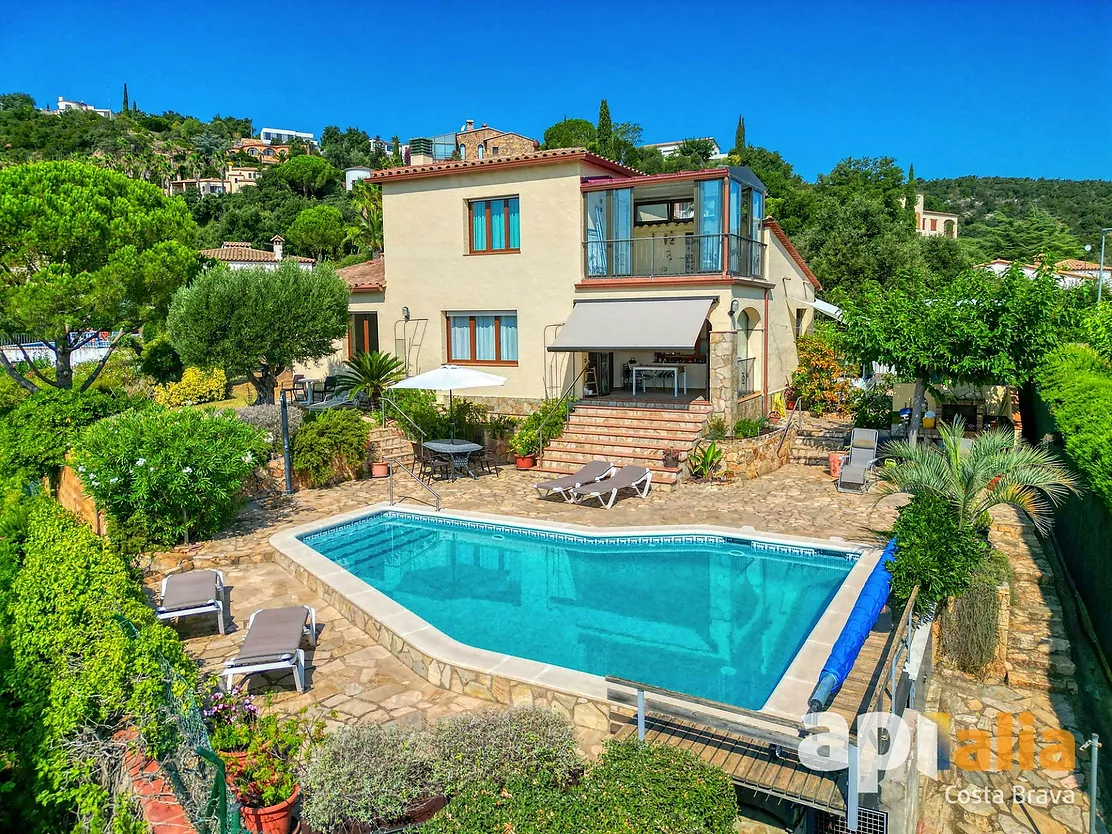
[72, 496]
[585, 713]
[751, 457]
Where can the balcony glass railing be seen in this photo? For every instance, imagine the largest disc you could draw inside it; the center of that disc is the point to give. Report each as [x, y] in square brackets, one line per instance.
[663, 256]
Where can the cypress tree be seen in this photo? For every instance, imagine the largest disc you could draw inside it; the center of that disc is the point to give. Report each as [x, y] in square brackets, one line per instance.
[605, 129]
[910, 197]
[739, 135]
[125, 107]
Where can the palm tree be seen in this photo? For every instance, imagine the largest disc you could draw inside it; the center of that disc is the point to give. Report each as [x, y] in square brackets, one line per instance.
[370, 374]
[366, 233]
[996, 469]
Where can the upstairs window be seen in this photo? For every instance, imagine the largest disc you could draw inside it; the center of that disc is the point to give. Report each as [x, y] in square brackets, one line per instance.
[495, 225]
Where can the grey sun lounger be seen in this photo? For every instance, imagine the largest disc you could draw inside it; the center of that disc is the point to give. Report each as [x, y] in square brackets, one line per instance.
[637, 478]
[596, 470]
[273, 641]
[194, 592]
[859, 463]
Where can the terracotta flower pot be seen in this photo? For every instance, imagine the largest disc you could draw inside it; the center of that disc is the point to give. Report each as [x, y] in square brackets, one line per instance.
[525, 461]
[274, 819]
[233, 762]
[380, 470]
[836, 459]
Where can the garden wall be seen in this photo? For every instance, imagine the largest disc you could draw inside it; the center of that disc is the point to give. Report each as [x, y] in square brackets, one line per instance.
[71, 495]
[751, 457]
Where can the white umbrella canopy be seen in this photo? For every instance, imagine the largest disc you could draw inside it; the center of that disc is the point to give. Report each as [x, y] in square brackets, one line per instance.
[447, 378]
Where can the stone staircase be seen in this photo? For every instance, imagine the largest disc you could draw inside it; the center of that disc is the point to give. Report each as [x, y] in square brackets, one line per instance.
[627, 433]
[390, 444]
[818, 437]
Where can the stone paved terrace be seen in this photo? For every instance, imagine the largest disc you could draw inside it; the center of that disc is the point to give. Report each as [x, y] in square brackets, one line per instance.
[352, 678]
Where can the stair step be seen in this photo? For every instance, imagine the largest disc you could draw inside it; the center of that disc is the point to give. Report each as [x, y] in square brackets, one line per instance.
[589, 440]
[680, 436]
[637, 422]
[675, 415]
[657, 405]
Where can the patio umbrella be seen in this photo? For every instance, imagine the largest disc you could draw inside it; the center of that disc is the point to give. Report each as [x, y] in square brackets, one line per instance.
[447, 378]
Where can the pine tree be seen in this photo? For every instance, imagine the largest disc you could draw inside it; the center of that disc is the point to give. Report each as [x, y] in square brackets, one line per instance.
[135, 107]
[605, 131]
[396, 160]
[739, 135]
[125, 108]
[911, 197]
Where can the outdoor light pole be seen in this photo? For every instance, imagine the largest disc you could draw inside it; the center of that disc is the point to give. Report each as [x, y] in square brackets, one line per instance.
[1100, 280]
[286, 445]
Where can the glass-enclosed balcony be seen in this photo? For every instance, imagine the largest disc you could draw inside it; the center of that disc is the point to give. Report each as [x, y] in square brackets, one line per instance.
[698, 224]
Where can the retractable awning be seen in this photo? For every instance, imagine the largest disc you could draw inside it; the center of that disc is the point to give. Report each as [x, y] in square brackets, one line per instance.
[824, 307]
[633, 324]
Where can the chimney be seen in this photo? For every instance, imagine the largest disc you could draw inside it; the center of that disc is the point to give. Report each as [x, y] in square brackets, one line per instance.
[277, 240]
[469, 125]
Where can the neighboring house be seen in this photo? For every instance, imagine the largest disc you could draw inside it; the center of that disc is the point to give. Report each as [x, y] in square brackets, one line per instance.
[281, 136]
[235, 179]
[354, 174]
[1066, 277]
[669, 148]
[933, 223]
[66, 104]
[470, 142]
[534, 265]
[263, 151]
[241, 255]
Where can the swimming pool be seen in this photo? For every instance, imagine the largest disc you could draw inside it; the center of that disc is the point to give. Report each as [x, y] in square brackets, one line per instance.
[713, 615]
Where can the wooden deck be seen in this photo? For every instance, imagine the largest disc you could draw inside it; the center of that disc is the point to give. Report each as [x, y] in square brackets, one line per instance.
[750, 762]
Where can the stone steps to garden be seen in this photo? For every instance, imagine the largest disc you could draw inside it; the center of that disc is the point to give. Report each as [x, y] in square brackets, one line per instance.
[391, 445]
[627, 434]
[818, 437]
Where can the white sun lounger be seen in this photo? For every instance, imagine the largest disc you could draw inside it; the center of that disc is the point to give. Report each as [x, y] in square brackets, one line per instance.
[596, 470]
[637, 478]
[273, 641]
[190, 593]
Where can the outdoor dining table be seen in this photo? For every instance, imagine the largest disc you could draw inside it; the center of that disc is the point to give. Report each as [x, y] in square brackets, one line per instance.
[657, 368]
[457, 451]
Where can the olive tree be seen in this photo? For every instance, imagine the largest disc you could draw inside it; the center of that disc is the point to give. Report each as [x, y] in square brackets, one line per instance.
[258, 322]
[84, 249]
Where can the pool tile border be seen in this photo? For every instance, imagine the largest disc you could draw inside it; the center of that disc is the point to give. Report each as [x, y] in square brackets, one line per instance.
[449, 664]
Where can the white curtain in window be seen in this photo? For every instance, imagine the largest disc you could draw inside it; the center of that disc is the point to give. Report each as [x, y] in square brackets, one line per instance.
[461, 338]
[484, 338]
[508, 338]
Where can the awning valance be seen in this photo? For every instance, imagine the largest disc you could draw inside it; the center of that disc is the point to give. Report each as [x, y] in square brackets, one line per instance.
[633, 324]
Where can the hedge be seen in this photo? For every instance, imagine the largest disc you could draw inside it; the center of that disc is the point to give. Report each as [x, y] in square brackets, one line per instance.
[70, 668]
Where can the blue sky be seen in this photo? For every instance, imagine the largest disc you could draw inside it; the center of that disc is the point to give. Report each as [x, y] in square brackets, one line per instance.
[1011, 89]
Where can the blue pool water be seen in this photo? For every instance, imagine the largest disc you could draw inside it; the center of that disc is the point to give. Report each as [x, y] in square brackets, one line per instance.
[713, 616]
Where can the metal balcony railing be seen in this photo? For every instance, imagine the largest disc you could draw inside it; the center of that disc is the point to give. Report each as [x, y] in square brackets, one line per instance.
[663, 256]
[746, 376]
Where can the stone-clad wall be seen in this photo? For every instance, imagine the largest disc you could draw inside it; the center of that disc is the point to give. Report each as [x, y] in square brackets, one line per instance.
[587, 715]
[752, 457]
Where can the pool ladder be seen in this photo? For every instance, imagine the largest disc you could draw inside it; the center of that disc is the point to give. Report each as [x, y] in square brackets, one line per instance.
[412, 474]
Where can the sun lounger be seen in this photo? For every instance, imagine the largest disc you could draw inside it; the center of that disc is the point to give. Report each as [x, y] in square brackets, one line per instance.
[273, 641]
[194, 592]
[596, 470]
[637, 478]
[859, 463]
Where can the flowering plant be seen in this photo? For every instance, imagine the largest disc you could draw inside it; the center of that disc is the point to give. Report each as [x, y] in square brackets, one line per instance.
[275, 751]
[231, 718]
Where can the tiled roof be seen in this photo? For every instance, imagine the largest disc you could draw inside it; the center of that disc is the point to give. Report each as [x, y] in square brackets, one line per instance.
[789, 247]
[365, 277]
[1076, 265]
[243, 253]
[533, 158]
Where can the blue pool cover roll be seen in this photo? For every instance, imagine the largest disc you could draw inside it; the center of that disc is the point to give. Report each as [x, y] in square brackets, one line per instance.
[861, 619]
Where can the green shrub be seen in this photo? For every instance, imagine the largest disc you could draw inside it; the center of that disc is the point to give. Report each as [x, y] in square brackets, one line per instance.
[36, 435]
[11, 393]
[502, 746]
[367, 774]
[633, 788]
[750, 428]
[1076, 384]
[168, 476]
[196, 387]
[160, 361]
[705, 460]
[269, 419]
[871, 408]
[332, 446]
[716, 428]
[72, 670]
[820, 380]
[933, 551]
[969, 626]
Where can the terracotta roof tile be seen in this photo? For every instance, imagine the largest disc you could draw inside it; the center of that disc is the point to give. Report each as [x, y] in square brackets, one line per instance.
[246, 254]
[533, 158]
[369, 276]
[1076, 265]
[781, 236]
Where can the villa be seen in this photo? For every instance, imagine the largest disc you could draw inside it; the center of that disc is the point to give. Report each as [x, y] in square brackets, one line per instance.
[238, 254]
[565, 271]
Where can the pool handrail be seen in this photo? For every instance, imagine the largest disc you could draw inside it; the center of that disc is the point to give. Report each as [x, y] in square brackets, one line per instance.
[410, 472]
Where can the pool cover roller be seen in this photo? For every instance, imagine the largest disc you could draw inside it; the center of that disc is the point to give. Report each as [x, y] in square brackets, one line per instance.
[861, 619]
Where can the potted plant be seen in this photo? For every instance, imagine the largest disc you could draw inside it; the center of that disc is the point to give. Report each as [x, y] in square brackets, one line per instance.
[835, 460]
[524, 446]
[790, 398]
[671, 458]
[231, 718]
[379, 468]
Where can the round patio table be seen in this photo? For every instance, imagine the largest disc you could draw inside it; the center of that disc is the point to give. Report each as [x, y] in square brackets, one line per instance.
[457, 451]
